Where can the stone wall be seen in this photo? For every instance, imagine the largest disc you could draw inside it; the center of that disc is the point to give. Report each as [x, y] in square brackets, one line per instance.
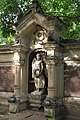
[71, 99]
[72, 71]
[6, 79]
[6, 71]
[67, 75]
[72, 80]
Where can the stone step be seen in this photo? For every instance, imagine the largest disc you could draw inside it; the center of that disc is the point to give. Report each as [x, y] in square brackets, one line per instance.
[40, 97]
[35, 101]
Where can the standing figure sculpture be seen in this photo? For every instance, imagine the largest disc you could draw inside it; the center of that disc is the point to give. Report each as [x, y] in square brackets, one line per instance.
[38, 72]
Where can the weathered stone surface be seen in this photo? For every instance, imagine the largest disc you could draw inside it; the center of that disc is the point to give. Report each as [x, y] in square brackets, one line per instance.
[71, 109]
[6, 79]
[18, 105]
[36, 99]
[49, 112]
[36, 96]
[56, 54]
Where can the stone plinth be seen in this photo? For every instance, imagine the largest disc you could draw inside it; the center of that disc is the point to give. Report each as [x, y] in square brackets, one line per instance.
[18, 105]
[52, 108]
[36, 99]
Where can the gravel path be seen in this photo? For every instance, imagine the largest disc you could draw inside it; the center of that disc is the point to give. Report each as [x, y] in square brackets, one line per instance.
[25, 115]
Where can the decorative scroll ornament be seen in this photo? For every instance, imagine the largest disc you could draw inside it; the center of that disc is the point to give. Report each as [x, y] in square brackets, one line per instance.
[41, 36]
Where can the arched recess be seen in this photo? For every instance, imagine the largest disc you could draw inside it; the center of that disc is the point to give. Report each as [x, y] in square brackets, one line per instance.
[31, 84]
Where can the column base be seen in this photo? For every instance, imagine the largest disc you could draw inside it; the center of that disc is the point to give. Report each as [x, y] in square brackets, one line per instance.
[52, 108]
[19, 104]
[16, 90]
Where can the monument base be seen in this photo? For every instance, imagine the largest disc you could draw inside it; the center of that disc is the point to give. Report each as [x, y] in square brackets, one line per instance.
[19, 105]
[36, 99]
[52, 108]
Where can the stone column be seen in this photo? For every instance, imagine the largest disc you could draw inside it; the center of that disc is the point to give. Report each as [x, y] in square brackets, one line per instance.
[50, 101]
[51, 79]
[17, 80]
[17, 73]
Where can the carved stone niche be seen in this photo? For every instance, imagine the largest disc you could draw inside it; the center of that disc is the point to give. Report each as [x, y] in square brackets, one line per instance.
[34, 30]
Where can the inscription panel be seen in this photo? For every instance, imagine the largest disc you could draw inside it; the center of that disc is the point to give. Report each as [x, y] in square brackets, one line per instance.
[7, 79]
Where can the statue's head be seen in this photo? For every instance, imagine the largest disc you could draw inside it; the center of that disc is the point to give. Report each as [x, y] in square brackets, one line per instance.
[38, 56]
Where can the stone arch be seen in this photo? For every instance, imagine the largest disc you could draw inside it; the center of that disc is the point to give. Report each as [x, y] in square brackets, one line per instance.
[32, 55]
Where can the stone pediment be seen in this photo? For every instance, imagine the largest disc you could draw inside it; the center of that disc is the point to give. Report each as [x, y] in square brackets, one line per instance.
[37, 23]
[34, 19]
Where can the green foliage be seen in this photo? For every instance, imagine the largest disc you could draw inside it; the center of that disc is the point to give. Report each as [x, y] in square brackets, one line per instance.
[51, 118]
[8, 40]
[67, 10]
[60, 7]
[9, 11]
[73, 29]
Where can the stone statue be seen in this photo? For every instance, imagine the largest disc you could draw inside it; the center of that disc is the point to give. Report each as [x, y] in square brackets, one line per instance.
[38, 72]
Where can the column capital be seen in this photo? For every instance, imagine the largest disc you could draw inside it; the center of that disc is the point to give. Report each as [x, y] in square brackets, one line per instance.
[52, 60]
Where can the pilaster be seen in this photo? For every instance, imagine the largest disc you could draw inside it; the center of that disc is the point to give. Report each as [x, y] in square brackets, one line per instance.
[51, 78]
[54, 99]
[20, 69]
[17, 84]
